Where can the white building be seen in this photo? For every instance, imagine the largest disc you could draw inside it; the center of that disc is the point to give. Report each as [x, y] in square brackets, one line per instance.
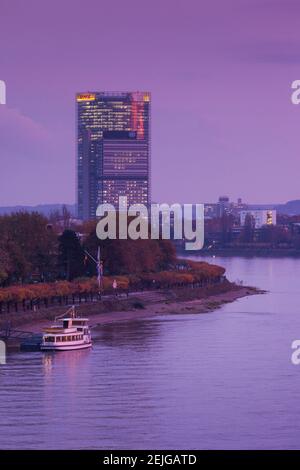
[260, 216]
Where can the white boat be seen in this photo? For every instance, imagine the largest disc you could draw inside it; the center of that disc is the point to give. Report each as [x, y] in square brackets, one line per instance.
[68, 333]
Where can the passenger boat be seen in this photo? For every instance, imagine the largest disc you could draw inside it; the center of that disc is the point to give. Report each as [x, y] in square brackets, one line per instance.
[68, 333]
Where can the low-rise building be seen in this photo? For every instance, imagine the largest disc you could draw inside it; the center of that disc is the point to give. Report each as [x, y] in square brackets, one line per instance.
[261, 217]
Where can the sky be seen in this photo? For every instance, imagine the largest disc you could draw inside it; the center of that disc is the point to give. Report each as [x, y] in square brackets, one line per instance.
[220, 74]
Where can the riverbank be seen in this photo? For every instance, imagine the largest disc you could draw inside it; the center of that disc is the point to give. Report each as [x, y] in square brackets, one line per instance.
[195, 306]
[138, 305]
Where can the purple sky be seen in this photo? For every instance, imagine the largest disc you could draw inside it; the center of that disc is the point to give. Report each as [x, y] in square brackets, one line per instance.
[219, 72]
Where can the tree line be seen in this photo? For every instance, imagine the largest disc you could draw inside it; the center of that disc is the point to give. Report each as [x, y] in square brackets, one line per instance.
[285, 234]
[34, 248]
[45, 261]
[29, 296]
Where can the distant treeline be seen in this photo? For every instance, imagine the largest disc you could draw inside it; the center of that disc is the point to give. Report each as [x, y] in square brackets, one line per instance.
[225, 232]
[35, 249]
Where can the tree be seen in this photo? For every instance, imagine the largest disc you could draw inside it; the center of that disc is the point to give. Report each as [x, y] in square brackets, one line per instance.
[226, 228]
[247, 234]
[5, 265]
[129, 256]
[71, 255]
[61, 220]
[168, 254]
[274, 234]
[66, 217]
[30, 245]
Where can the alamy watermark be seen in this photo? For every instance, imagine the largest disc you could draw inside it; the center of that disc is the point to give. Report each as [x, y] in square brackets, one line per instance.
[2, 352]
[295, 357]
[140, 222]
[2, 92]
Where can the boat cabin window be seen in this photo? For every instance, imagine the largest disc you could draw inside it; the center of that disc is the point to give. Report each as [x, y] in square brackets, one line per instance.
[49, 339]
[78, 322]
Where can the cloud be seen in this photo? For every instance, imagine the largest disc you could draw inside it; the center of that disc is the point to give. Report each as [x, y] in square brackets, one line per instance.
[20, 135]
[36, 163]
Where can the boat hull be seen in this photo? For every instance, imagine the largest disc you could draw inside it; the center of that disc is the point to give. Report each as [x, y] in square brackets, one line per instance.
[66, 347]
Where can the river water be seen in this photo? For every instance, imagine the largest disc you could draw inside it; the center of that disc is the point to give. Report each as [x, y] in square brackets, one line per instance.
[219, 380]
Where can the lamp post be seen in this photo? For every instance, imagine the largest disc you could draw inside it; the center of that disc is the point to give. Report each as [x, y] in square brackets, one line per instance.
[99, 266]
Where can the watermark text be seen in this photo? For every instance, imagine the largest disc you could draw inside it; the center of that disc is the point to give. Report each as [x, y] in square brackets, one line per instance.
[2, 352]
[163, 221]
[2, 92]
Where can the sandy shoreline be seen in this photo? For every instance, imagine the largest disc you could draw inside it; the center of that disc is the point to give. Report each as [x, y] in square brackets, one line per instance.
[196, 306]
[192, 306]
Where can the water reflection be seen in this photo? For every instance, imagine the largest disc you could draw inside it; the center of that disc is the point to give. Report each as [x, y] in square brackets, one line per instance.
[71, 362]
[128, 334]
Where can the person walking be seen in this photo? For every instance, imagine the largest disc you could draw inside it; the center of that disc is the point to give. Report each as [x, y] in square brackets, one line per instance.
[115, 287]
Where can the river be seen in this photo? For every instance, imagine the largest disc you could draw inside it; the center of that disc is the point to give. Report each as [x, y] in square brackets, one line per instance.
[219, 380]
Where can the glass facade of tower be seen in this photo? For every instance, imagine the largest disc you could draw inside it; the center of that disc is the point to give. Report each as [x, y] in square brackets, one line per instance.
[113, 156]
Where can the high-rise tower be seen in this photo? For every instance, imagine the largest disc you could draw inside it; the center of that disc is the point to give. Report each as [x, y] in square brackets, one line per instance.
[113, 149]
